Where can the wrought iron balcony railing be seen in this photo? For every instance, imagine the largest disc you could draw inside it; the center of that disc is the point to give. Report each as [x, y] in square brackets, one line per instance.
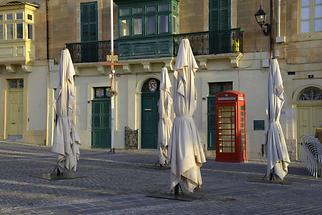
[95, 51]
[202, 43]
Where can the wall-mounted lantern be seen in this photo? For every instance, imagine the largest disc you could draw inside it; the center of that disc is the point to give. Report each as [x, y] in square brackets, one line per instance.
[260, 16]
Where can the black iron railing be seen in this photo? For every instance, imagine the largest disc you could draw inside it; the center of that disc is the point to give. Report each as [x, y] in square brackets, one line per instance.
[90, 51]
[199, 42]
[202, 43]
[227, 41]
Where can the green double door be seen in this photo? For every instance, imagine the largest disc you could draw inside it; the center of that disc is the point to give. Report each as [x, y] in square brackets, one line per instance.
[149, 115]
[101, 123]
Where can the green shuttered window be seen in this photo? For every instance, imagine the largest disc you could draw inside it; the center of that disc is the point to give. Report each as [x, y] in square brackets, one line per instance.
[89, 21]
[148, 18]
[219, 25]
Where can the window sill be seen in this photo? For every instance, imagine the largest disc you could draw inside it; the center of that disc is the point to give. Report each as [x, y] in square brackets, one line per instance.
[308, 36]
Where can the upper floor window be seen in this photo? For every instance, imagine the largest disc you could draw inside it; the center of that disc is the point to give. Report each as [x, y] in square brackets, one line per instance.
[311, 16]
[15, 26]
[148, 18]
[19, 16]
[89, 25]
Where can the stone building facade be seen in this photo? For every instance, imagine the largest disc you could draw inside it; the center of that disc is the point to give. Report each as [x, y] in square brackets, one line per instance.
[145, 42]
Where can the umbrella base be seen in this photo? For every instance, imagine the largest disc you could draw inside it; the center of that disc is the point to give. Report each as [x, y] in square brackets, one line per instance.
[156, 166]
[170, 196]
[50, 177]
[177, 194]
[58, 174]
[270, 180]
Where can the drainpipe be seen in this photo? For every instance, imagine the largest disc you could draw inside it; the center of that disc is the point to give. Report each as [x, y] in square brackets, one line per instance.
[278, 19]
[49, 124]
[47, 32]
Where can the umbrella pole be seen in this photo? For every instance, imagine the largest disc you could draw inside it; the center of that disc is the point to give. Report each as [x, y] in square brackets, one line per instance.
[176, 190]
[112, 81]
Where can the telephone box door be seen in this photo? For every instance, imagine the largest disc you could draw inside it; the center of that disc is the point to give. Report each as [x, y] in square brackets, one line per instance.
[230, 126]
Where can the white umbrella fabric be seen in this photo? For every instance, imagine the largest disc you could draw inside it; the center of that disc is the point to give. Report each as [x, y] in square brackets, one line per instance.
[185, 152]
[66, 140]
[276, 150]
[165, 114]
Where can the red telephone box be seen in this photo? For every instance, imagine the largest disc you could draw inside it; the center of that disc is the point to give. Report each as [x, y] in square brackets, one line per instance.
[231, 126]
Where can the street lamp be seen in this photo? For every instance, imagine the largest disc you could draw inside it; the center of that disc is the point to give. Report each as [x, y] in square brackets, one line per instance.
[260, 17]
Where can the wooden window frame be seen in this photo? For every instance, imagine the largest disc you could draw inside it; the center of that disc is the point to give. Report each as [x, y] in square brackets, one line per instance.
[144, 14]
[17, 17]
[311, 18]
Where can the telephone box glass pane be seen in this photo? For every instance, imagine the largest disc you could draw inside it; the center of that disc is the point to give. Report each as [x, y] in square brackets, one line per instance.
[226, 129]
[242, 127]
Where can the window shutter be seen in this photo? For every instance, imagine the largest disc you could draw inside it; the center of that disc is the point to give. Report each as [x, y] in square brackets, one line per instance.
[219, 25]
[89, 21]
[219, 12]
[224, 15]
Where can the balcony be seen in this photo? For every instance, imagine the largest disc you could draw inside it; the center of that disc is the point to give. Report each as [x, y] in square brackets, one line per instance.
[16, 54]
[202, 43]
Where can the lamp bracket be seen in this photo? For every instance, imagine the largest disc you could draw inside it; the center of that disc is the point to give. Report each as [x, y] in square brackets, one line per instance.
[266, 29]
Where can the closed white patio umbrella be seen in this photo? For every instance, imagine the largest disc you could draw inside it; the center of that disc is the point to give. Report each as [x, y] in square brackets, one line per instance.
[185, 152]
[276, 150]
[66, 139]
[165, 113]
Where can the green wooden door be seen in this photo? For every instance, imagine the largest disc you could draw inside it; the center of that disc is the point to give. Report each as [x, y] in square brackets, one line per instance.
[219, 26]
[101, 123]
[149, 114]
[214, 88]
[89, 31]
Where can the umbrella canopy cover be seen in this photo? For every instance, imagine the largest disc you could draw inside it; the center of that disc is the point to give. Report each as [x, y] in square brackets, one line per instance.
[185, 152]
[276, 150]
[66, 140]
[165, 116]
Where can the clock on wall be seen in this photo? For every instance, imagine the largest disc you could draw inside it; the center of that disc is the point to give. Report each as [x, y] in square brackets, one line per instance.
[153, 85]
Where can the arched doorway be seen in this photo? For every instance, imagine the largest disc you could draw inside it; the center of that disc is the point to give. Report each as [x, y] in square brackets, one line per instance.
[149, 113]
[309, 111]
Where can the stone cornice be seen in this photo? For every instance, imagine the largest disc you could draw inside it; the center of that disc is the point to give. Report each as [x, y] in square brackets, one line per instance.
[147, 64]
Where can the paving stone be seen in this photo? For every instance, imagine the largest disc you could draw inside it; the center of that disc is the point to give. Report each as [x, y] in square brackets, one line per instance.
[120, 183]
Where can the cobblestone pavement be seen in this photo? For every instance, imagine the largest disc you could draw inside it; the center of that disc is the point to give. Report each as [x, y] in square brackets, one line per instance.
[123, 183]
